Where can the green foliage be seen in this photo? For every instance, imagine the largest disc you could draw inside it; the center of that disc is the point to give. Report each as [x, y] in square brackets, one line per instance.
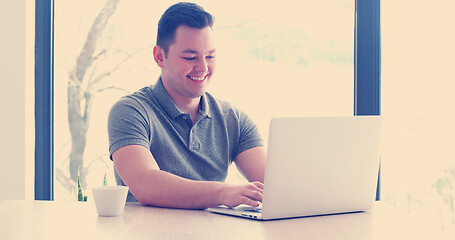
[105, 180]
[275, 42]
[80, 195]
[445, 186]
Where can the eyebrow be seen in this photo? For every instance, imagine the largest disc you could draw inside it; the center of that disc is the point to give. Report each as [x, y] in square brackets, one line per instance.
[196, 52]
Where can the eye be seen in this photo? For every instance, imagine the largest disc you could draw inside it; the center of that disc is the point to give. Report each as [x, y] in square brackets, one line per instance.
[210, 57]
[189, 58]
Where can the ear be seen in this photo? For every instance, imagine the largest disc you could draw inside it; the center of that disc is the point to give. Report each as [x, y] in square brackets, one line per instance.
[158, 55]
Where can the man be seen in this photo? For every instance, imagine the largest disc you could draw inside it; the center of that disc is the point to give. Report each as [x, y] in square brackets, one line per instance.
[172, 143]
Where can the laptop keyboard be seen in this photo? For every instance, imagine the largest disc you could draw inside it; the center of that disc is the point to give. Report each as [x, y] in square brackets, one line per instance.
[256, 210]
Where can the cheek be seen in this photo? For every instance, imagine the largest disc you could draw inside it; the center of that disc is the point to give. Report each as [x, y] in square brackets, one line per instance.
[183, 67]
[212, 67]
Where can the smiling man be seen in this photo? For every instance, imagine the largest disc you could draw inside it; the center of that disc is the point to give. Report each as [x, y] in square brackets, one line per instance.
[172, 143]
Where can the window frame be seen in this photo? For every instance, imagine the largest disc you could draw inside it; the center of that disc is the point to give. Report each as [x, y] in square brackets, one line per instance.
[367, 79]
[44, 102]
[367, 62]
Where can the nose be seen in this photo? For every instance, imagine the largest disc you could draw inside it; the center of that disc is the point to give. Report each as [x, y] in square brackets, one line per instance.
[202, 66]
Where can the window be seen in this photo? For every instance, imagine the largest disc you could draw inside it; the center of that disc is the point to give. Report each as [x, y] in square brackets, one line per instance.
[291, 58]
[322, 46]
[418, 153]
[417, 159]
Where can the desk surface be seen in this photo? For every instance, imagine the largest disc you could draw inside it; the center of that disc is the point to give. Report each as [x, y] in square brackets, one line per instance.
[73, 220]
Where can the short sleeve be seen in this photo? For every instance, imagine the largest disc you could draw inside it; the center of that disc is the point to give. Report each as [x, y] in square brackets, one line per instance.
[249, 134]
[128, 124]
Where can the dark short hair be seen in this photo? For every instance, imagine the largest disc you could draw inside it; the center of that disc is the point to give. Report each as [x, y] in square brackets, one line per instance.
[183, 13]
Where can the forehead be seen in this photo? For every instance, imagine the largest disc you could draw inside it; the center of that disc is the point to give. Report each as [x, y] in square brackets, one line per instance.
[193, 40]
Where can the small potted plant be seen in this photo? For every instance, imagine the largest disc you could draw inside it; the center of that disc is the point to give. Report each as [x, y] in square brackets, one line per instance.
[80, 194]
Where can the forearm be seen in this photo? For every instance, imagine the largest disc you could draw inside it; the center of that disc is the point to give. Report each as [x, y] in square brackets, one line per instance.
[251, 163]
[159, 188]
[151, 186]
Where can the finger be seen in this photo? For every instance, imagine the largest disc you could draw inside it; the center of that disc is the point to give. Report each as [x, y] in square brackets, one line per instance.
[257, 187]
[258, 184]
[250, 202]
[254, 195]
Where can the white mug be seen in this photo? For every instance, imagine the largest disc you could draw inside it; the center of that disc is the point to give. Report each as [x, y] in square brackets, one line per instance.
[110, 200]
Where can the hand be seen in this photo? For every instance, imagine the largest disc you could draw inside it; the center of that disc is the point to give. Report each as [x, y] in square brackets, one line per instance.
[249, 194]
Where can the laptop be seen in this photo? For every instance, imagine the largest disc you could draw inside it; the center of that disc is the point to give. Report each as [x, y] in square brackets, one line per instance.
[317, 166]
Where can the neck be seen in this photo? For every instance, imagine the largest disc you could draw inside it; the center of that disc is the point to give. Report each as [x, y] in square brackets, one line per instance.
[187, 105]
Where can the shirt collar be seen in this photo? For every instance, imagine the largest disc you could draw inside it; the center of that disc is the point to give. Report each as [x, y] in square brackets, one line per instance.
[165, 101]
[204, 106]
[169, 107]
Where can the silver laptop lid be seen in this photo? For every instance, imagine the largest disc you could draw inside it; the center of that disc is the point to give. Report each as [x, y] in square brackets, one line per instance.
[321, 166]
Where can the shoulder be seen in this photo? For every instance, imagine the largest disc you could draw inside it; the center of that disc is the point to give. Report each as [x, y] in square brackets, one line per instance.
[222, 106]
[137, 106]
[136, 100]
[227, 112]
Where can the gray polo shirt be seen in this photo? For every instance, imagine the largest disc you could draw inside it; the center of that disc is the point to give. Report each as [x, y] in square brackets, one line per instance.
[200, 151]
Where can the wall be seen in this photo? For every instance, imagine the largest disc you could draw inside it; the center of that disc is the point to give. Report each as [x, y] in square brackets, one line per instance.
[15, 179]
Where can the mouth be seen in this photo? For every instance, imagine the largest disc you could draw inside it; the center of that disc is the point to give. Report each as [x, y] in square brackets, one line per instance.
[197, 78]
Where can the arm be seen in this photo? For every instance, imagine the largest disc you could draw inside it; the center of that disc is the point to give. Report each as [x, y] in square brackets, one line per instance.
[251, 163]
[151, 186]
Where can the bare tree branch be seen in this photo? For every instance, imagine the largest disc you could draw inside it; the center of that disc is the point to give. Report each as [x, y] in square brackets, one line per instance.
[76, 95]
[86, 57]
[65, 181]
[112, 88]
[103, 52]
[105, 74]
[241, 24]
[101, 157]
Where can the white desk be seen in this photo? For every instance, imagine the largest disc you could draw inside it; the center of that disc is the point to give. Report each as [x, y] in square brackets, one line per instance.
[73, 220]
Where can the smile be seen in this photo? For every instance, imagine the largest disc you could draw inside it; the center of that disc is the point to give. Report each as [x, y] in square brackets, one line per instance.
[197, 78]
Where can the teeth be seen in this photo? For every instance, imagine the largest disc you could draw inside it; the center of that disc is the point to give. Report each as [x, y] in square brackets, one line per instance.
[197, 78]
